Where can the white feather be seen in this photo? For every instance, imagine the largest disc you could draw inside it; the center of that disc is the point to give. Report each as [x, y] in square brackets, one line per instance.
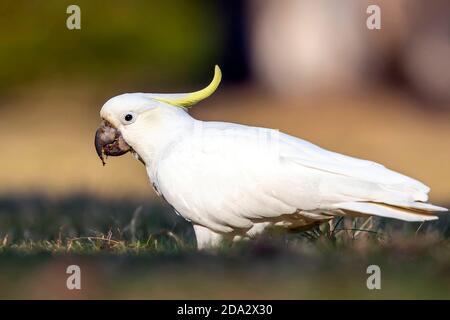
[226, 177]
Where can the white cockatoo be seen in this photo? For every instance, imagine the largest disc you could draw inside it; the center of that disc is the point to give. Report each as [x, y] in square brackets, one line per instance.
[233, 181]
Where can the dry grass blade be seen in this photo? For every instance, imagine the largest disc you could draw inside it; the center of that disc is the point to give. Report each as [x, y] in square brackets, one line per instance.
[5, 240]
[132, 226]
[109, 240]
[378, 234]
[368, 223]
[336, 225]
[167, 233]
[418, 229]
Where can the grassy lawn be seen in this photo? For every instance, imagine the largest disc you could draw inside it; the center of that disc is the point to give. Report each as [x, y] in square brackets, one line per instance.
[133, 249]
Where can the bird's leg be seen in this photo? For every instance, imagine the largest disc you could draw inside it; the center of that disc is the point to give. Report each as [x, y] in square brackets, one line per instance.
[207, 239]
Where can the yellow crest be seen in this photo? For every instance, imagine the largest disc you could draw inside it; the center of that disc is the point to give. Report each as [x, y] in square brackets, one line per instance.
[189, 99]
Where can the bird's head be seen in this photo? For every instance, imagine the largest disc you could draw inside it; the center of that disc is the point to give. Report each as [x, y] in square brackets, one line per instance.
[130, 120]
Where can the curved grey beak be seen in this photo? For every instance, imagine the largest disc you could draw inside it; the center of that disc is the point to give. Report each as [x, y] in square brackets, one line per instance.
[109, 141]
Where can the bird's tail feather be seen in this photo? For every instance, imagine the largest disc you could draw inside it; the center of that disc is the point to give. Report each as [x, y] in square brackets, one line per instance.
[414, 211]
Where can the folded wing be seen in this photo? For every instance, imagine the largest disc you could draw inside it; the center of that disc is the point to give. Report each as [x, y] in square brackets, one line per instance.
[245, 174]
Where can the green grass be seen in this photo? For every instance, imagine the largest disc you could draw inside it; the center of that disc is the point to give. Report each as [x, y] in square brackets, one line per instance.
[137, 249]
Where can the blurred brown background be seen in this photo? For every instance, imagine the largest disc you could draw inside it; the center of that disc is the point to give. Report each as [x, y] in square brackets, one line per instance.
[309, 68]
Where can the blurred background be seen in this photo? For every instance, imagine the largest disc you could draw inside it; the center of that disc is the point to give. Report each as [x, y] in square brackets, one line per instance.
[309, 68]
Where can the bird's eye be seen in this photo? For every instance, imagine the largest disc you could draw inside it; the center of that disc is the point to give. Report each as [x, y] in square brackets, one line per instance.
[128, 118]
